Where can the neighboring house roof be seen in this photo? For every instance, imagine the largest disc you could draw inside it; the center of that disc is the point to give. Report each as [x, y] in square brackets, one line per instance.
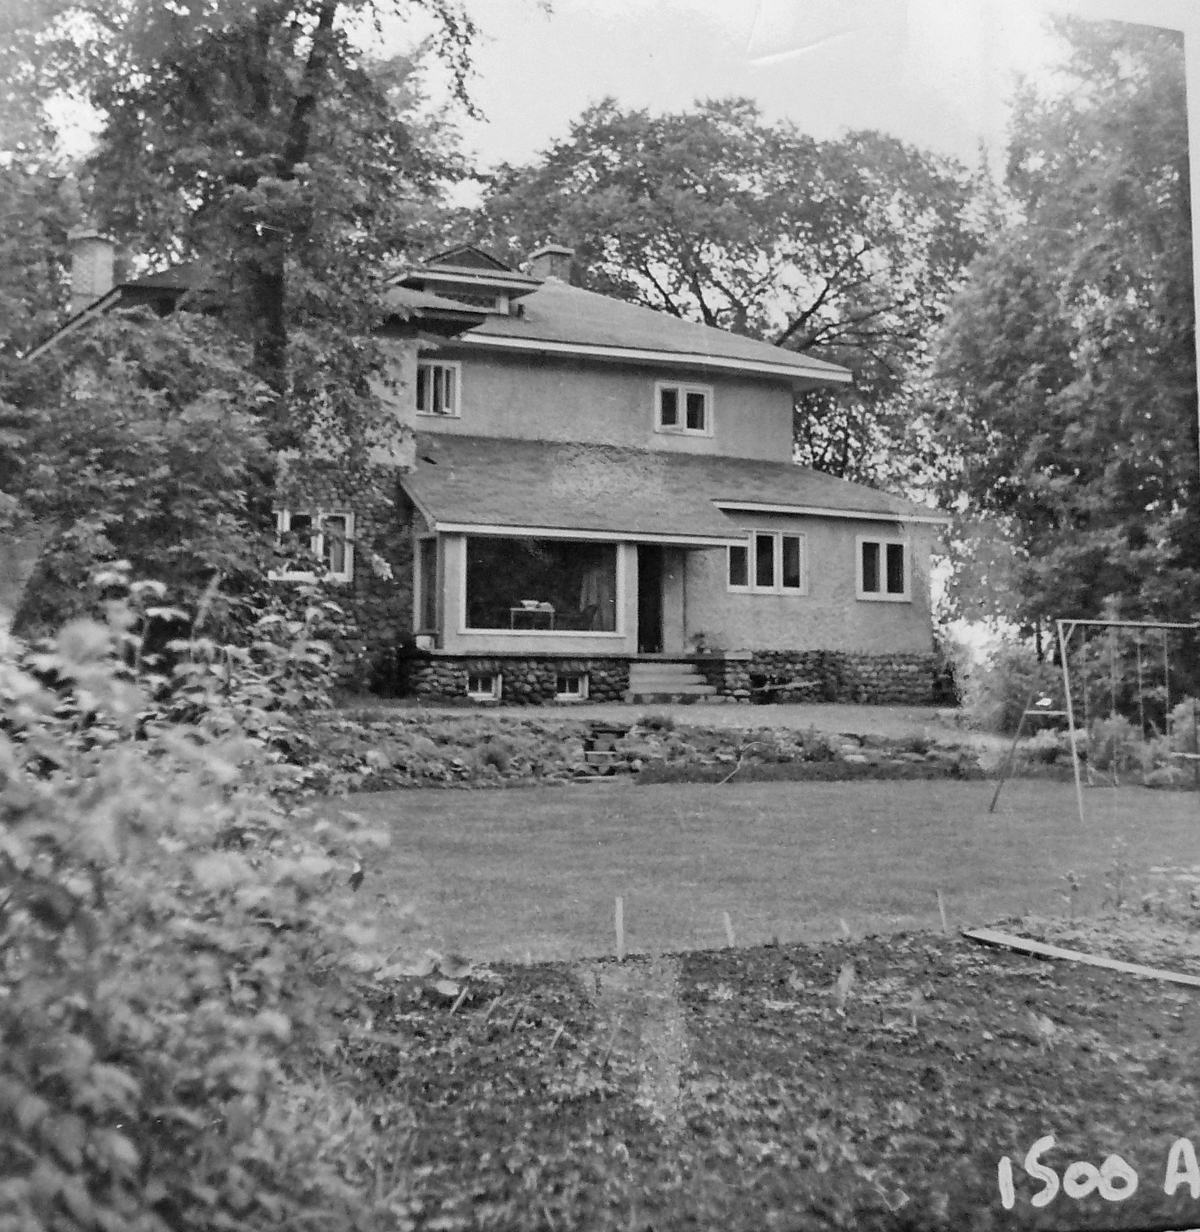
[161, 291]
[553, 318]
[481, 484]
[558, 318]
[164, 289]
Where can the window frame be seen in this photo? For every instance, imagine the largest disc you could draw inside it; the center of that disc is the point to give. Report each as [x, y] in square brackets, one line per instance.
[750, 547]
[465, 630]
[682, 389]
[494, 694]
[283, 526]
[456, 367]
[580, 695]
[883, 595]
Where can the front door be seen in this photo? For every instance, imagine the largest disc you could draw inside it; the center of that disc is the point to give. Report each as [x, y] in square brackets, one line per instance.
[650, 576]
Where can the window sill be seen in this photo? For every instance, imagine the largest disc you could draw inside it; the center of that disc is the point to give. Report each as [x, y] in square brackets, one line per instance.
[539, 633]
[312, 579]
[884, 598]
[701, 432]
[778, 591]
[438, 415]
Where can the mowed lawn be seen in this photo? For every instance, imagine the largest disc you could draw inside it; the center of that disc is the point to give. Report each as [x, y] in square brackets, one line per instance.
[518, 873]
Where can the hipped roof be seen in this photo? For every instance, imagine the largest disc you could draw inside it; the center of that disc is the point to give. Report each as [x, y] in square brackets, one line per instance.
[635, 494]
[569, 319]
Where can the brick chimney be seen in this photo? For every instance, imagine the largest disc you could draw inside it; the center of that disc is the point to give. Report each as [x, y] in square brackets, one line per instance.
[552, 261]
[92, 259]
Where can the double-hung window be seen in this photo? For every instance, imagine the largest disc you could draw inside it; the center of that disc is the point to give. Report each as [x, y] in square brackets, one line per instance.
[437, 388]
[883, 569]
[683, 408]
[773, 562]
[329, 536]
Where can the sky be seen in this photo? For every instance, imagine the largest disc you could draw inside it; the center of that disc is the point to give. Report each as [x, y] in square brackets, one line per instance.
[937, 73]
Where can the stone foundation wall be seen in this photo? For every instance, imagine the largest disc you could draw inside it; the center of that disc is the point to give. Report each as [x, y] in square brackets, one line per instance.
[523, 680]
[823, 676]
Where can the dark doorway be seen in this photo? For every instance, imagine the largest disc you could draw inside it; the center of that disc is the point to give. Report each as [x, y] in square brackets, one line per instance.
[650, 575]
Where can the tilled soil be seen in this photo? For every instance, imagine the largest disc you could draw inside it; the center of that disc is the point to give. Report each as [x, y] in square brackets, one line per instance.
[868, 1084]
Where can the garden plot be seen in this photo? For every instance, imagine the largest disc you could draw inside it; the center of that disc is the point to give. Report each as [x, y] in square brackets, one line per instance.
[872, 1083]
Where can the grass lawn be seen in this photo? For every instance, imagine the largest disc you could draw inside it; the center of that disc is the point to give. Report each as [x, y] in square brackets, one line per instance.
[507, 874]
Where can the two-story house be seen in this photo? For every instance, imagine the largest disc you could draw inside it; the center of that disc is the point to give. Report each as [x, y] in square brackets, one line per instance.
[599, 500]
[603, 501]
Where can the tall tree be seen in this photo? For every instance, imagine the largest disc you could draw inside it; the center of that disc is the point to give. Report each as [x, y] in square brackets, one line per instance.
[259, 136]
[1066, 374]
[848, 249]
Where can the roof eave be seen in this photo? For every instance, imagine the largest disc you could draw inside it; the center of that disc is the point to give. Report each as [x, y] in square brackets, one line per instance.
[932, 516]
[593, 534]
[805, 376]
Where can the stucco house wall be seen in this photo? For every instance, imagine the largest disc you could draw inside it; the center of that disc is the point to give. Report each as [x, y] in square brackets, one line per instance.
[538, 398]
[828, 615]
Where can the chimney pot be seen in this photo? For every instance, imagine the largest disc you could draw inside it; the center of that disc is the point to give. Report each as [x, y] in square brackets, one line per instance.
[92, 259]
[552, 261]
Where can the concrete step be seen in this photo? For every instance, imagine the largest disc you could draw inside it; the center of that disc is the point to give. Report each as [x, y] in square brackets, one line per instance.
[672, 693]
[664, 671]
[664, 678]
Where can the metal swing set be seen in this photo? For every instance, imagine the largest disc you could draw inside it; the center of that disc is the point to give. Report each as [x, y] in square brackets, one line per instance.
[1043, 707]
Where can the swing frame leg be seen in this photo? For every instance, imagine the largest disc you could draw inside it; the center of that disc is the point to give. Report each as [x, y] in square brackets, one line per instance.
[1063, 639]
[1012, 749]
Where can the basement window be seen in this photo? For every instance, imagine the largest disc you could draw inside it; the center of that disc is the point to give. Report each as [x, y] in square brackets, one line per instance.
[484, 687]
[883, 569]
[572, 688]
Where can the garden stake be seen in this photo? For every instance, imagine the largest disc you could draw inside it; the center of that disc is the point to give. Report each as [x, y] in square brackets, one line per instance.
[942, 910]
[462, 996]
[611, 1042]
[728, 928]
[561, 1028]
[620, 921]
[549, 1220]
[492, 1007]
[512, 1026]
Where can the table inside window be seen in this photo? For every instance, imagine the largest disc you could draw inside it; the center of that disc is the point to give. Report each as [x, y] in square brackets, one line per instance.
[533, 615]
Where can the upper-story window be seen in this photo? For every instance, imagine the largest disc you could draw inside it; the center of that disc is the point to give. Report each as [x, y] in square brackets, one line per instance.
[683, 408]
[883, 569]
[437, 388]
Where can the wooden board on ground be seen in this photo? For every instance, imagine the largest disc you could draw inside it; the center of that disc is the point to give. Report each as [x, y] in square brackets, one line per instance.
[992, 936]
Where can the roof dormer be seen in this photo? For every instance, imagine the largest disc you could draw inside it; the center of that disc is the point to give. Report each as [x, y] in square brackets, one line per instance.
[471, 276]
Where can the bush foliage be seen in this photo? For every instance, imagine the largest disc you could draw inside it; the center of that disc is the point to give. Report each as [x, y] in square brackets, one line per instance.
[168, 924]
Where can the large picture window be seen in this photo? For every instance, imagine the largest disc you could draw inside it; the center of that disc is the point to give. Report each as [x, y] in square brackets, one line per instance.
[550, 585]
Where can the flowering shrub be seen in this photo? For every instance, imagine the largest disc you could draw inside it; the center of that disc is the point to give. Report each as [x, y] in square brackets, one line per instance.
[167, 928]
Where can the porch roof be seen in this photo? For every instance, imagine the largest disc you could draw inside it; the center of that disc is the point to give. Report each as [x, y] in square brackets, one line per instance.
[499, 485]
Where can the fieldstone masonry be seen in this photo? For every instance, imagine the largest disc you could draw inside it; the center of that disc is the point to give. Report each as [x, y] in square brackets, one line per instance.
[821, 676]
[525, 679]
[375, 605]
[769, 676]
